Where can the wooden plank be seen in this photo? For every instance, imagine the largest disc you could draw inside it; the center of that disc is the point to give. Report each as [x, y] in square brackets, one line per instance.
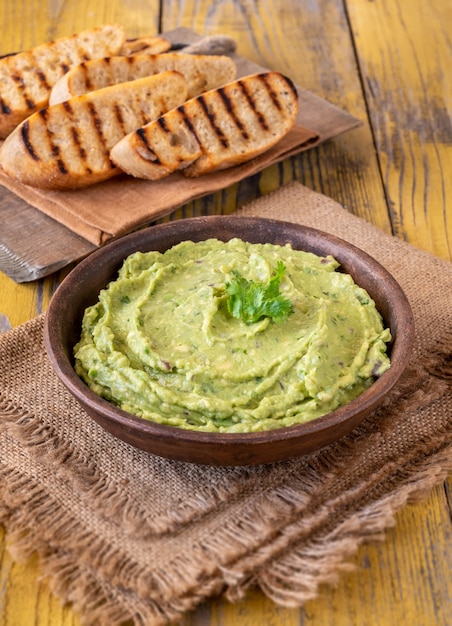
[408, 82]
[33, 245]
[30, 23]
[25, 595]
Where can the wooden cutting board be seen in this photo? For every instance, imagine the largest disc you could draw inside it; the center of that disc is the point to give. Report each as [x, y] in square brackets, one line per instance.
[32, 245]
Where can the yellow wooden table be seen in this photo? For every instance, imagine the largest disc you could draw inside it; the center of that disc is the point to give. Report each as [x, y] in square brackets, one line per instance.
[388, 63]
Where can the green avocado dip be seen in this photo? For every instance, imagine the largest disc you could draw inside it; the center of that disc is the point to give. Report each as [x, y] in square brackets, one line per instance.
[168, 341]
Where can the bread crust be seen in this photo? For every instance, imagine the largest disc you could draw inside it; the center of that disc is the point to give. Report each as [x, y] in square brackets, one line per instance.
[67, 145]
[26, 78]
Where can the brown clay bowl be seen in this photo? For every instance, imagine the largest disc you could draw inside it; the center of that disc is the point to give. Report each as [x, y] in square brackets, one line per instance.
[81, 288]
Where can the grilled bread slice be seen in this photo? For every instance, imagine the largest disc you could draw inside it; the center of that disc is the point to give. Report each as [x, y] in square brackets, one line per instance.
[67, 145]
[202, 72]
[145, 45]
[218, 129]
[26, 78]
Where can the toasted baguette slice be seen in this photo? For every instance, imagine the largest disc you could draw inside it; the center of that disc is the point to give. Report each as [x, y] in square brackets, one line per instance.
[202, 73]
[145, 45]
[218, 129]
[67, 145]
[26, 78]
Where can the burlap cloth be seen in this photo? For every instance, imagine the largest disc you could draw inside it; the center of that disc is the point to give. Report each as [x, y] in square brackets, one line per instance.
[125, 535]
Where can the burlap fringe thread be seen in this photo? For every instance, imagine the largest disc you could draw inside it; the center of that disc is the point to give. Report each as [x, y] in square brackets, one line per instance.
[309, 548]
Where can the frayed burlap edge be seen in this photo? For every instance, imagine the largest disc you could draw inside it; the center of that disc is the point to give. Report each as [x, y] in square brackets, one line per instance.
[290, 582]
[293, 581]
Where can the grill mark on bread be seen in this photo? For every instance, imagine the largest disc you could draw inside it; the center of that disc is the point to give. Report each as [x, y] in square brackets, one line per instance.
[162, 123]
[252, 104]
[188, 123]
[39, 73]
[86, 79]
[76, 135]
[19, 81]
[231, 110]
[54, 148]
[4, 107]
[141, 134]
[119, 118]
[61, 165]
[106, 62]
[271, 92]
[211, 117]
[80, 148]
[25, 134]
[172, 140]
[67, 107]
[42, 77]
[97, 122]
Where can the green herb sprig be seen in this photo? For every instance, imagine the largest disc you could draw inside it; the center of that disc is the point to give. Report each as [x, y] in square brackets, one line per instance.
[251, 301]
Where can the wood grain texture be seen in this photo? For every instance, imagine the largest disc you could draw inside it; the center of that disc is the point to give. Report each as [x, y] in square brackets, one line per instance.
[407, 79]
[54, 245]
[25, 595]
[386, 62]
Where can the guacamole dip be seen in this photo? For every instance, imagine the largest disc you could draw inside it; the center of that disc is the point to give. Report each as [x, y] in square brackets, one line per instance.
[163, 342]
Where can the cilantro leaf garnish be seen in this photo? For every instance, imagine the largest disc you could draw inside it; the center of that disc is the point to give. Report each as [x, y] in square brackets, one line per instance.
[251, 301]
